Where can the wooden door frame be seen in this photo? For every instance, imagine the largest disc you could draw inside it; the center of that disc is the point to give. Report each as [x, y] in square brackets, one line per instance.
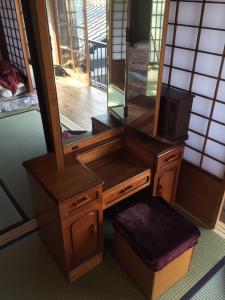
[35, 17]
[58, 36]
[23, 39]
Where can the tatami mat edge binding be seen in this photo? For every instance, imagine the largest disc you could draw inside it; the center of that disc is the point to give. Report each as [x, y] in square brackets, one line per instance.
[18, 232]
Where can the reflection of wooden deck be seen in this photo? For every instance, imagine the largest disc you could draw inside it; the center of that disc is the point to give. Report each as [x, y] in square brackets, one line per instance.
[79, 102]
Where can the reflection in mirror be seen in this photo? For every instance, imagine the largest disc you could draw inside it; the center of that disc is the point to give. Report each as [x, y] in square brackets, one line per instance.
[77, 30]
[144, 52]
[100, 66]
[118, 11]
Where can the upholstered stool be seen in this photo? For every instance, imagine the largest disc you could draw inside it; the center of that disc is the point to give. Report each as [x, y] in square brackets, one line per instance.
[154, 244]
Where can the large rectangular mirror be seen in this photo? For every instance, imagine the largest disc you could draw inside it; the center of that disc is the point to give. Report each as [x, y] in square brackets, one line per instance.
[106, 59]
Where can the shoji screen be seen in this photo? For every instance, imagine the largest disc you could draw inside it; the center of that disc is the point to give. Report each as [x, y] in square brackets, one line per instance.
[195, 62]
[119, 25]
[11, 33]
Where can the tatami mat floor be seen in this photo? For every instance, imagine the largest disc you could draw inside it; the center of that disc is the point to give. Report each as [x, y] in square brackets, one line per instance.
[28, 272]
[214, 289]
[9, 214]
[22, 138]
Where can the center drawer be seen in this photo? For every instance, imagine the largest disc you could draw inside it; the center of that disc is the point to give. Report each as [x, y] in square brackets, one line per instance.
[125, 189]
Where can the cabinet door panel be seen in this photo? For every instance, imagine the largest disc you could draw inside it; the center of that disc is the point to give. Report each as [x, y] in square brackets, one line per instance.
[85, 236]
[82, 238]
[166, 184]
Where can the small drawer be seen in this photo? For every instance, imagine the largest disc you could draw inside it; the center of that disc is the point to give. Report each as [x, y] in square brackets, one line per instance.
[71, 206]
[125, 189]
[169, 158]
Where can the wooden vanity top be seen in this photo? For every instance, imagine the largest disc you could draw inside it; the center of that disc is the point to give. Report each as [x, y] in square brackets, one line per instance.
[62, 185]
[110, 164]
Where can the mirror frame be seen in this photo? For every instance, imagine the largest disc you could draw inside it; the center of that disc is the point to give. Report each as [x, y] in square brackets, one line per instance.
[161, 62]
[35, 17]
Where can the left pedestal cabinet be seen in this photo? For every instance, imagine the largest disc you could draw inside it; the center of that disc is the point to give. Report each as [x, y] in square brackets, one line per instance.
[71, 228]
[81, 221]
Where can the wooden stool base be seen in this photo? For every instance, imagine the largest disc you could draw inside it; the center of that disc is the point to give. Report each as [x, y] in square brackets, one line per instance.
[153, 284]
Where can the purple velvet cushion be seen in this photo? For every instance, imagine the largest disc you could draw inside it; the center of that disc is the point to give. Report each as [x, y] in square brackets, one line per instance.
[156, 232]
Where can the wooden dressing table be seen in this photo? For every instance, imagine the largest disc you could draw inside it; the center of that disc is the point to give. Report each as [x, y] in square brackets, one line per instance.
[73, 184]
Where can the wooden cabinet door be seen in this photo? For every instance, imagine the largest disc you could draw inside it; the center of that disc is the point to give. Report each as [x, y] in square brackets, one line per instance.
[82, 238]
[85, 236]
[166, 184]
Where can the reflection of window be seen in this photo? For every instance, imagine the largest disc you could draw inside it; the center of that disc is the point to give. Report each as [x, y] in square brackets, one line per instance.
[71, 25]
[119, 25]
[158, 8]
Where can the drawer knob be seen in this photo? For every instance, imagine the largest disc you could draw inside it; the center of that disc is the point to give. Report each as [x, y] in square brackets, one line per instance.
[93, 229]
[86, 199]
[160, 190]
[126, 189]
[172, 158]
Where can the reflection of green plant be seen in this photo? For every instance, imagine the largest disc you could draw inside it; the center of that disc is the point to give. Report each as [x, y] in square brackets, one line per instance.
[59, 71]
[69, 64]
[155, 67]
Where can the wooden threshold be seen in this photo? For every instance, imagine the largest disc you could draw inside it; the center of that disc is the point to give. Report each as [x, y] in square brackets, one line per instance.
[220, 229]
[17, 232]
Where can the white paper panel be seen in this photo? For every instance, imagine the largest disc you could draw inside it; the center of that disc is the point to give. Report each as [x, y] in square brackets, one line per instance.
[212, 41]
[186, 37]
[217, 132]
[183, 59]
[195, 140]
[172, 11]
[214, 16]
[117, 32]
[180, 79]
[118, 15]
[192, 156]
[116, 48]
[208, 64]
[223, 72]
[189, 13]
[117, 40]
[213, 167]
[202, 106]
[215, 150]
[168, 55]
[198, 124]
[117, 56]
[204, 85]
[119, 24]
[165, 75]
[118, 6]
[221, 91]
[219, 112]
[170, 34]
